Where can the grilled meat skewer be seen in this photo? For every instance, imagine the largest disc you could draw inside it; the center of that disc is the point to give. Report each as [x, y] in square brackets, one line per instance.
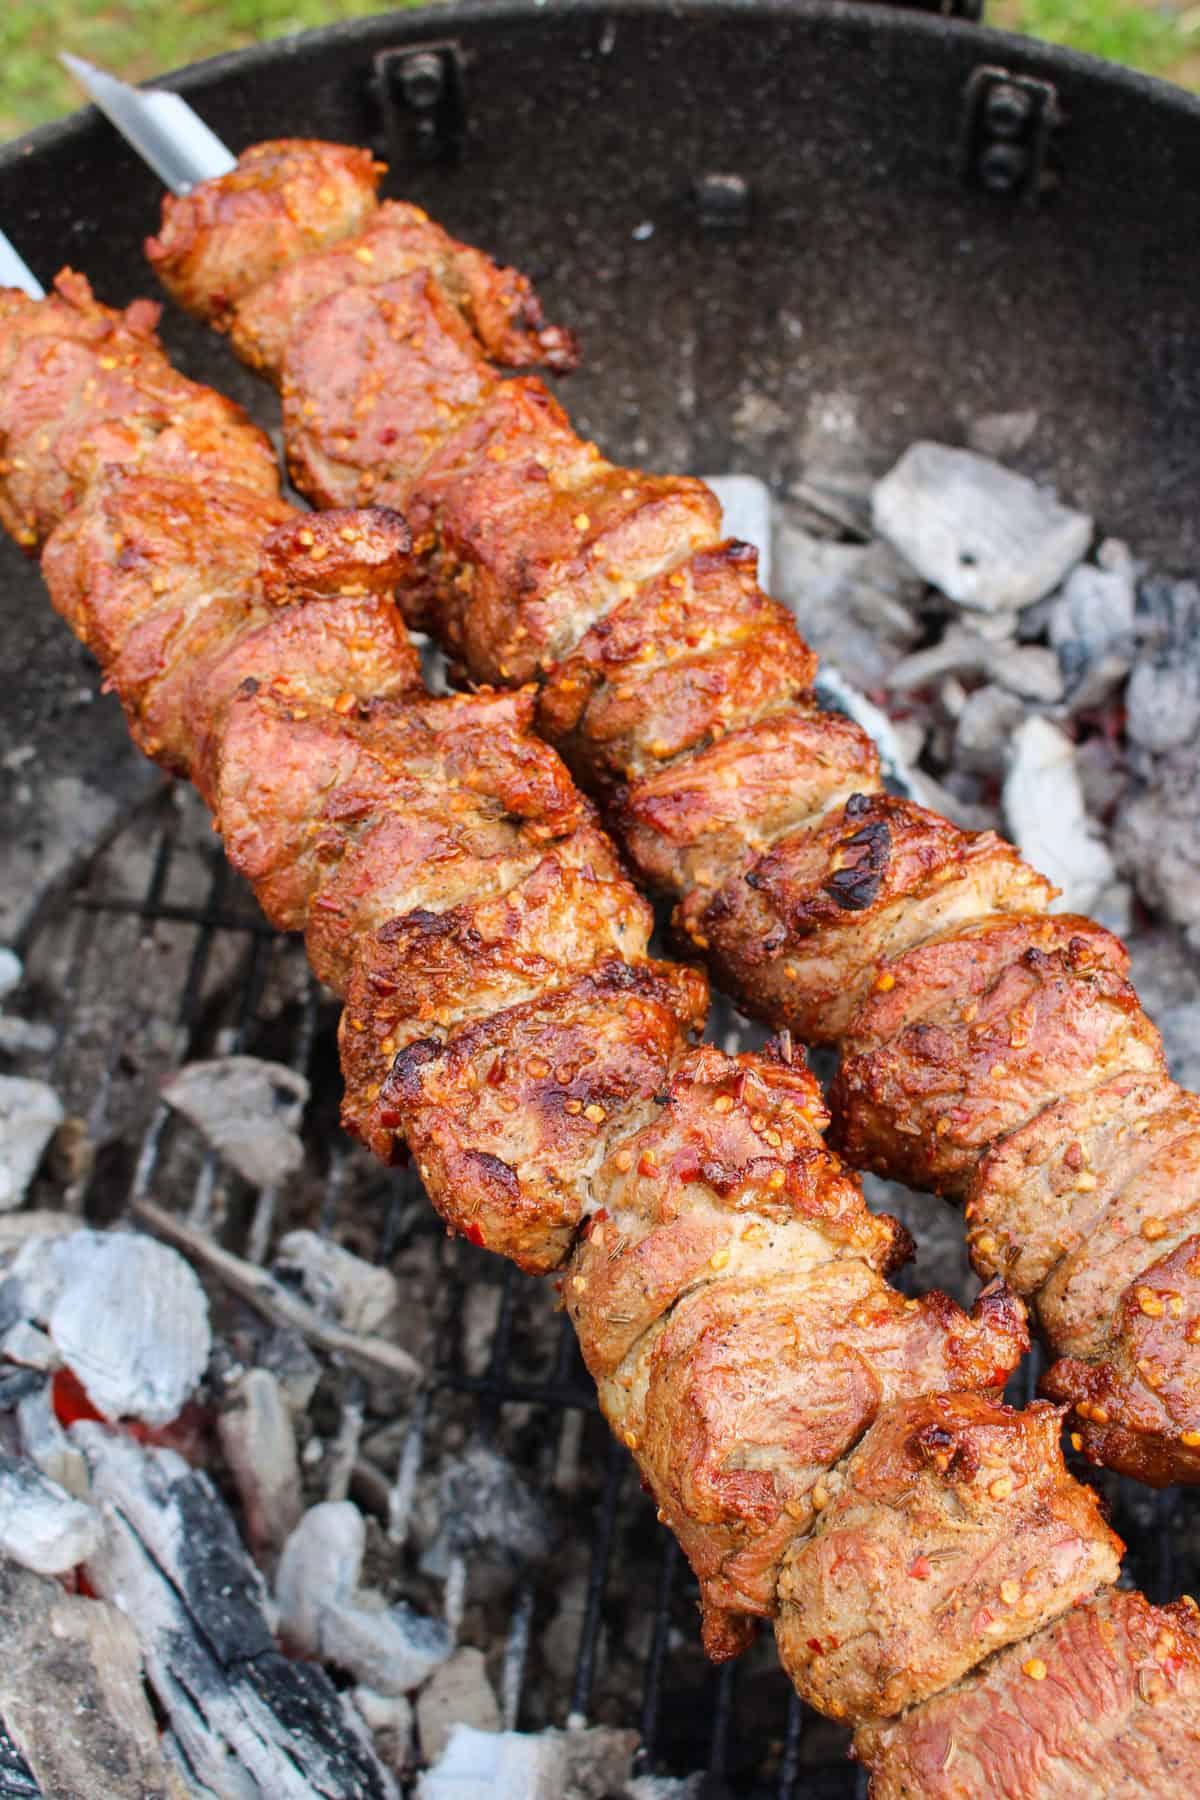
[418, 839]
[826, 1451]
[990, 1051]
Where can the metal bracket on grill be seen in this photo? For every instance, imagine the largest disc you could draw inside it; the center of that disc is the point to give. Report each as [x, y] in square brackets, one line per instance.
[1008, 127]
[949, 9]
[421, 96]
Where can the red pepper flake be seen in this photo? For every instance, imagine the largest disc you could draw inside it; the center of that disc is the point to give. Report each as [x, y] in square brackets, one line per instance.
[474, 1235]
[920, 1569]
[814, 1645]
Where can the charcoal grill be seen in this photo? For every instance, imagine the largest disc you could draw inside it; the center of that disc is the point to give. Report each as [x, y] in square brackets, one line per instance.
[775, 225]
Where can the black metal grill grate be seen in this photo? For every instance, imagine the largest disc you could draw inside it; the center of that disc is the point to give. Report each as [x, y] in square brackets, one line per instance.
[160, 957]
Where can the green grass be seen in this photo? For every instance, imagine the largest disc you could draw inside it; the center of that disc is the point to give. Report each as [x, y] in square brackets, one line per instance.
[142, 38]
[1161, 38]
[134, 38]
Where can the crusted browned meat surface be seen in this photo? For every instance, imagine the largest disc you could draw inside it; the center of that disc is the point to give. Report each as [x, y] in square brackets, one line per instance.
[818, 914]
[284, 200]
[953, 1524]
[83, 388]
[503, 1020]
[1104, 1704]
[678, 693]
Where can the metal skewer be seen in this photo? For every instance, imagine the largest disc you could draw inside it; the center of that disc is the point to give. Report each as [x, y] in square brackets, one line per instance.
[169, 136]
[15, 271]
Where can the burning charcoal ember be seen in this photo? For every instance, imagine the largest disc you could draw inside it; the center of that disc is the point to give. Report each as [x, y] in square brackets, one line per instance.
[30, 1114]
[497, 1765]
[249, 1111]
[855, 603]
[1162, 701]
[247, 1720]
[459, 1693]
[1157, 840]
[259, 1442]
[324, 1613]
[47, 1445]
[484, 1504]
[987, 538]
[1002, 434]
[375, 1356]
[341, 1286]
[71, 1696]
[41, 1526]
[1091, 626]
[127, 1315]
[1043, 805]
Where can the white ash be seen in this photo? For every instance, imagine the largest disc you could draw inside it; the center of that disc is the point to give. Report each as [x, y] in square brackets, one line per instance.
[259, 1441]
[1091, 625]
[72, 1697]
[1002, 434]
[248, 1109]
[1156, 838]
[42, 1527]
[340, 1285]
[854, 603]
[1162, 701]
[47, 1445]
[296, 1368]
[30, 1113]
[459, 1693]
[497, 1765]
[389, 1718]
[324, 1613]
[12, 972]
[247, 1721]
[982, 728]
[1043, 804]
[1029, 671]
[481, 1502]
[577, 1764]
[127, 1314]
[1180, 1027]
[23, 1343]
[25, 1037]
[985, 537]
[665, 1787]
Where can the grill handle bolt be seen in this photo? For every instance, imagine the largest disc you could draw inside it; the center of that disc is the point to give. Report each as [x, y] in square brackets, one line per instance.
[1007, 109]
[422, 80]
[1003, 167]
